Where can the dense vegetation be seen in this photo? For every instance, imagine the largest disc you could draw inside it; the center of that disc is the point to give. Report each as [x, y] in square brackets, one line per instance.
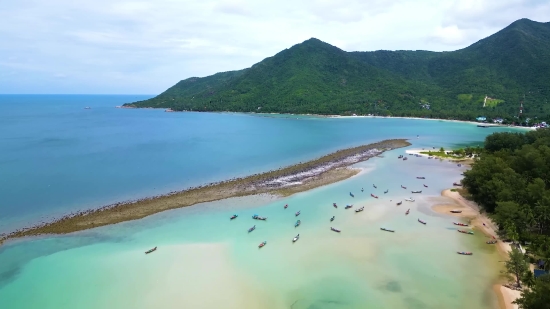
[511, 181]
[315, 77]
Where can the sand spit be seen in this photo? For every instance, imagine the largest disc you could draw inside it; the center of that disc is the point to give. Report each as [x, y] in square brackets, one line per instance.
[283, 182]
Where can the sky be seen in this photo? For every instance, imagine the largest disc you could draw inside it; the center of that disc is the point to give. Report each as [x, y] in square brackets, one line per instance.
[144, 47]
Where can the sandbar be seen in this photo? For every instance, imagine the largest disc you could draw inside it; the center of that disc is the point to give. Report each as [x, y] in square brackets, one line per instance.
[285, 181]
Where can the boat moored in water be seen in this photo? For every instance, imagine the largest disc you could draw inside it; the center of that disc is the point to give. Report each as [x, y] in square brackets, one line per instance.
[420, 177]
[350, 194]
[410, 199]
[262, 244]
[252, 229]
[399, 203]
[408, 210]
[464, 253]
[466, 232]
[405, 158]
[491, 242]
[374, 186]
[286, 206]
[456, 211]
[348, 206]
[297, 213]
[425, 186]
[332, 219]
[386, 191]
[386, 230]
[297, 224]
[421, 221]
[295, 239]
[256, 217]
[335, 230]
[334, 204]
[461, 224]
[373, 195]
[360, 209]
[418, 191]
[151, 250]
[234, 216]
[403, 187]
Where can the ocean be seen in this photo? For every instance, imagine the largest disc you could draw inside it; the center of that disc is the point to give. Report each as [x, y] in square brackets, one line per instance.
[57, 157]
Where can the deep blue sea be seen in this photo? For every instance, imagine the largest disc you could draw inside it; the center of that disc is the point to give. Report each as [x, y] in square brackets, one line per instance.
[57, 157]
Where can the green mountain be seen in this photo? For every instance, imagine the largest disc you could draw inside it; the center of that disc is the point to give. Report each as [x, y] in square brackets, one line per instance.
[490, 77]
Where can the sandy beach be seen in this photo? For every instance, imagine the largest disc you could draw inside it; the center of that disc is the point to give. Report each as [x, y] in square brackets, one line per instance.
[470, 212]
[286, 181]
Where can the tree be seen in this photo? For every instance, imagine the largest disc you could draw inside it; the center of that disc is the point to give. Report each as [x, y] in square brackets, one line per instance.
[538, 297]
[516, 264]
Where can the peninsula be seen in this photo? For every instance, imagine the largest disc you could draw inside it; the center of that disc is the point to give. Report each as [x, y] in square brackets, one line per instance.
[282, 182]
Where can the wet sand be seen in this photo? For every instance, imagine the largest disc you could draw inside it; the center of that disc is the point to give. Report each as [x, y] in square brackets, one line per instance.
[470, 212]
[286, 181]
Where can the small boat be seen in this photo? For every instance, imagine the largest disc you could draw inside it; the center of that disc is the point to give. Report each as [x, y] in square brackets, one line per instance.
[420, 191]
[464, 253]
[350, 194]
[360, 209]
[335, 230]
[256, 217]
[297, 224]
[252, 229]
[408, 210]
[362, 190]
[332, 219]
[399, 203]
[297, 214]
[425, 186]
[151, 250]
[286, 206]
[420, 177]
[348, 206]
[234, 217]
[430, 157]
[373, 195]
[456, 211]
[262, 244]
[400, 156]
[334, 204]
[423, 222]
[466, 232]
[491, 242]
[405, 158]
[410, 199]
[386, 191]
[87, 107]
[461, 224]
[374, 186]
[403, 187]
[387, 230]
[457, 184]
[295, 239]
[459, 165]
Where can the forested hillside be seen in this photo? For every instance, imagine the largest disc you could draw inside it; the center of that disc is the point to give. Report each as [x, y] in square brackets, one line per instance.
[490, 78]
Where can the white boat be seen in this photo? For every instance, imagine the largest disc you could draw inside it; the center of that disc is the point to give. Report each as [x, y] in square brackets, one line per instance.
[410, 199]
[296, 238]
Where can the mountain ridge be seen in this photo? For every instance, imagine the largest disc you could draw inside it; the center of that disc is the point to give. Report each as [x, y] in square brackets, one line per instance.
[316, 77]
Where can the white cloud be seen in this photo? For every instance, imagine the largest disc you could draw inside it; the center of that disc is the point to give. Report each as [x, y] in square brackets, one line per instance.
[145, 46]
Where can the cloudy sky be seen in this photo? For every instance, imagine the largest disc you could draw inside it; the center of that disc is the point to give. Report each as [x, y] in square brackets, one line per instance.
[144, 47]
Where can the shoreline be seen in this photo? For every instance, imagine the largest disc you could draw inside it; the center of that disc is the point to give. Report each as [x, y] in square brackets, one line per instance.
[490, 125]
[471, 212]
[285, 181]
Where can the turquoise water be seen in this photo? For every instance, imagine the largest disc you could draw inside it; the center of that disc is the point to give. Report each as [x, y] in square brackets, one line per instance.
[56, 157]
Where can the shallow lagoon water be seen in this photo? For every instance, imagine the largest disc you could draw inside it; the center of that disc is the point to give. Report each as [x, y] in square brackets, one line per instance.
[205, 260]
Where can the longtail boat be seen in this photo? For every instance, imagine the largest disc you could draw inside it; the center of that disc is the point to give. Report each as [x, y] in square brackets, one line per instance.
[297, 224]
[403, 187]
[416, 191]
[262, 244]
[375, 186]
[350, 194]
[420, 177]
[386, 191]
[466, 232]
[491, 242]
[334, 204]
[252, 229]
[386, 230]
[332, 219]
[408, 210]
[360, 209]
[335, 230]
[425, 186]
[373, 195]
[399, 203]
[461, 224]
[295, 239]
[456, 211]
[348, 206]
[410, 199]
[297, 213]
[151, 250]
[464, 253]
[286, 206]
[423, 222]
[233, 217]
